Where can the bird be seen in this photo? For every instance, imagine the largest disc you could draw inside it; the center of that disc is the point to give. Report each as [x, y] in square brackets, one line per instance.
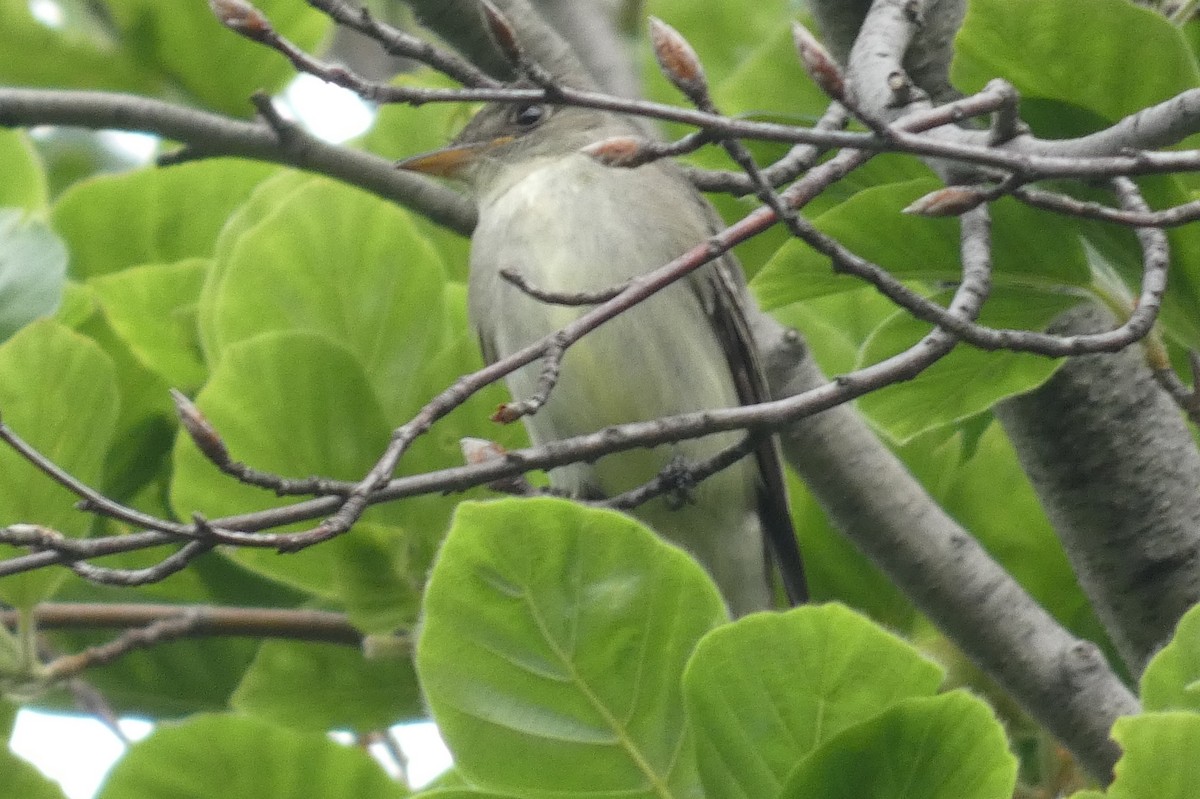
[567, 223]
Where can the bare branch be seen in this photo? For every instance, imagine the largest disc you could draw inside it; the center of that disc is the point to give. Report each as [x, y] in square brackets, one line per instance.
[207, 620]
[212, 135]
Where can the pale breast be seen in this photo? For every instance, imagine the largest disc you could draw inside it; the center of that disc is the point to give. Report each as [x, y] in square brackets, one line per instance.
[573, 225]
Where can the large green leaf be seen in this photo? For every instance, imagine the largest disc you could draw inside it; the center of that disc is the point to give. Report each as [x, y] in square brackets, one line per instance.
[402, 130]
[1079, 51]
[381, 568]
[552, 648]
[1171, 680]
[218, 68]
[152, 215]
[152, 308]
[367, 695]
[296, 404]
[264, 199]
[967, 381]
[168, 680]
[815, 671]
[943, 747]
[770, 80]
[58, 392]
[343, 263]
[71, 58]
[225, 755]
[24, 184]
[1029, 247]
[146, 423]
[33, 269]
[1159, 757]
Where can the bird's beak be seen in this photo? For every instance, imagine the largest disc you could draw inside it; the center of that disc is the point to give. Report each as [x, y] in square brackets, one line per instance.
[449, 162]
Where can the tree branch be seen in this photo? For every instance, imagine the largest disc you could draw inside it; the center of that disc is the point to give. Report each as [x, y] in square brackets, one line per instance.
[209, 620]
[211, 135]
[1116, 469]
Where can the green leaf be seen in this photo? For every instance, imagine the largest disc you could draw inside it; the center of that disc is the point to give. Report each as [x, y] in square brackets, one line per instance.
[1159, 757]
[402, 130]
[552, 648]
[167, 680]
[19, 778]
[153, 309]
[835, 326]
[1171, 680]
[1030, 248]
[225, 755]
[152, 215]
[24, 184]
[344, 263]
[58, 392]
[967, 381]
[264, 199]
[1080, 51]
[944, 747]
[33, 269]
[186, 43]
[771, 80]
[381, 571]
[367, 694]
[296, 404]
[815, 671]
[63, 59]
[1180, 316]
[146, 423]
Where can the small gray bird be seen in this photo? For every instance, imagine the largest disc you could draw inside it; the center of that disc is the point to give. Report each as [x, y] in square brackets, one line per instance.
[567, 223]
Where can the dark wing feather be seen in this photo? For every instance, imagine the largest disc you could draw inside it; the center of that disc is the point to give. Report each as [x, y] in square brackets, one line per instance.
[729, 320]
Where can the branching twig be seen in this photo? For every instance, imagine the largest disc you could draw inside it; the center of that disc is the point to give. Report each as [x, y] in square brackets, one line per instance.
[153, 634]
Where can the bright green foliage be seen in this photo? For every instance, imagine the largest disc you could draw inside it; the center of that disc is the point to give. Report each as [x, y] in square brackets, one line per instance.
[24, 184]
[1080, 52]
[1032, 249]
[943, 747]
[967, 381]
[341, 264]
[564, 651]
[228, 755]
[552, 646]
[366, 695]
[1171, 680]
[58, 390]
[815, 672]
[153, 309]
[79, 56]
[1159, 746]
[553, 653]
[1159, 756]
[151, 216]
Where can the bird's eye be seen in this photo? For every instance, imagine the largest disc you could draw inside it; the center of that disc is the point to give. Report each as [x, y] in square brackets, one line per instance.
[528, 116]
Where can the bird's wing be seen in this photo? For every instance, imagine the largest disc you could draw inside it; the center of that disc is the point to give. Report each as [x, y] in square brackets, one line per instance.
[728, 311]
